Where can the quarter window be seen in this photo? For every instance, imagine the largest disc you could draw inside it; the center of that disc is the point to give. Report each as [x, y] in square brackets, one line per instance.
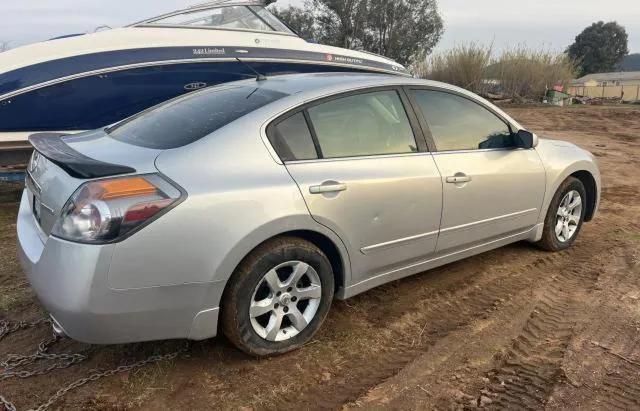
[457, 123]
[363, 125]
[292, 139]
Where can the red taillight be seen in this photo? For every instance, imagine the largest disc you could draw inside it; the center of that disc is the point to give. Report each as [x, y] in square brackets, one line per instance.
[142, 212]
[106, 210]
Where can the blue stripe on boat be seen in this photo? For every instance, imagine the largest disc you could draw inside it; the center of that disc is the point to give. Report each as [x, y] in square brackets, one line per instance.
[55, 69]
[96, 101]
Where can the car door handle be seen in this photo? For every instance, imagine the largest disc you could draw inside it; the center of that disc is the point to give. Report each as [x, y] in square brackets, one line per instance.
[459, 179]
[327, 188]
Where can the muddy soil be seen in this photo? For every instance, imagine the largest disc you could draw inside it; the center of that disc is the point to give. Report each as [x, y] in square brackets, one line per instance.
[514, 328]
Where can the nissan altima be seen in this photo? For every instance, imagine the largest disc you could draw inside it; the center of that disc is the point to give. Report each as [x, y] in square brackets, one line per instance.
[249, 207]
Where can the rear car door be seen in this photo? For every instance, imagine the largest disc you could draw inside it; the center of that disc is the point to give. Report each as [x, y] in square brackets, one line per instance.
[365, 174]
[491, 188]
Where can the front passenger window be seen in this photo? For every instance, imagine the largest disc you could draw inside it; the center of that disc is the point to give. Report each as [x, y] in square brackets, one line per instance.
[457, 123]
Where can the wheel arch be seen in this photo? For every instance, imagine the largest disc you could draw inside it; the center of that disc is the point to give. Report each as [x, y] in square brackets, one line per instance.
[558, 171]
[328, 247]
[591, 188]
[327, 241]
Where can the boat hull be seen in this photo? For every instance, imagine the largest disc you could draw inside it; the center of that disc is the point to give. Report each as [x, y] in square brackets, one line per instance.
[94, 90]
[96, 101]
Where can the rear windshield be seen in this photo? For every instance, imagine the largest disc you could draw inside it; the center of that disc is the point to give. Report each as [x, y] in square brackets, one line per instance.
[187, 119]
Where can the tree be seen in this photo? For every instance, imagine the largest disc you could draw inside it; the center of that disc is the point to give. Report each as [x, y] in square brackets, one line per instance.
[342, 23]
[302, 21]
[403, 30]
[631, 62]
[600, 48]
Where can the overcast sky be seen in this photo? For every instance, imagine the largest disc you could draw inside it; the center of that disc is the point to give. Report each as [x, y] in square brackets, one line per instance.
[537, 23]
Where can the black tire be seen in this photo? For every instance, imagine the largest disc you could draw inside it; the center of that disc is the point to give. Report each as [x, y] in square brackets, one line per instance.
[236, 301]
[550, 241]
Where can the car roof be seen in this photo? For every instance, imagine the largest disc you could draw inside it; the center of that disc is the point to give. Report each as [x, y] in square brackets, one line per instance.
[325, 82]
[309, 86]
[306, 87]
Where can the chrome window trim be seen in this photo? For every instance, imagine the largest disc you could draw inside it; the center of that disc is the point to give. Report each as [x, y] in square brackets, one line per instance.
[480, 150]
[436, 153]
[367, 157]
[395, 243]
[488, 220]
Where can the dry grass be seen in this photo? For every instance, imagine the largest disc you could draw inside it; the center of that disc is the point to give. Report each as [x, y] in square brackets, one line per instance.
[10, 192]
[143, 383]
[525, 72]
[17, 292]
[520, 72]
[11, 298]
[464, 66]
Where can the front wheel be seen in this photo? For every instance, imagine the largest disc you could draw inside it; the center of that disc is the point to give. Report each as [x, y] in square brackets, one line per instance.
[278, 297]
[565, 216]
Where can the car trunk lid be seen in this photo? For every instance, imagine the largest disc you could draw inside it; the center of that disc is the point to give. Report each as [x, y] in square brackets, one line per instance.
[61, 163]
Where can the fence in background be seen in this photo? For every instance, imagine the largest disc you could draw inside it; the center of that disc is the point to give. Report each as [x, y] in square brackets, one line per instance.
[626, 93]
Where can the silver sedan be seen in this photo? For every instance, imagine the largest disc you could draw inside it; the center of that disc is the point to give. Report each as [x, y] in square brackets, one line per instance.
[252, 205]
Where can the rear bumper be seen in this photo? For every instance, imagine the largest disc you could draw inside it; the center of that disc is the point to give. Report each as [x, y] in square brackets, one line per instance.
[72, 282]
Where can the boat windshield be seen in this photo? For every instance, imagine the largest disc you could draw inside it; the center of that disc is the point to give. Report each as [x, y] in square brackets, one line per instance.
[227, 17]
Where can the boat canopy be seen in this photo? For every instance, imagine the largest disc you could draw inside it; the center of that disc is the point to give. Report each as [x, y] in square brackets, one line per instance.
[222, 15]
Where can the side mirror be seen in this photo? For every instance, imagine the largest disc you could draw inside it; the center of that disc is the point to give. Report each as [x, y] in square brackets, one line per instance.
[526, 139]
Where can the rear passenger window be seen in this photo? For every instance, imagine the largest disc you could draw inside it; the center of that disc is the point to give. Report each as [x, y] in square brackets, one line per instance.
[363, 125]
[292, 139]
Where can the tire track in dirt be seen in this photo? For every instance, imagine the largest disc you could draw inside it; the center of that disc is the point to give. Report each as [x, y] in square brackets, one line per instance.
[622, 388]
[450, 312]
[617, 336]
[532, 366]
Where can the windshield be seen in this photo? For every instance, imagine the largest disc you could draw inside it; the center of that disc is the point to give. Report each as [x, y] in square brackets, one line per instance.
[187, 119]
[229, 17]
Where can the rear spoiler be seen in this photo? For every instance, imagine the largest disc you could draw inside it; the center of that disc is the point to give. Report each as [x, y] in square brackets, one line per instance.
[54, 148]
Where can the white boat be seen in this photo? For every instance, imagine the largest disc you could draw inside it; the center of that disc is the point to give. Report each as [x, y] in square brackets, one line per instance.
[83, 82]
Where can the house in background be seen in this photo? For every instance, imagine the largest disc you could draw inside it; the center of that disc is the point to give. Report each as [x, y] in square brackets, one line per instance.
[624, 86]
[631, 78]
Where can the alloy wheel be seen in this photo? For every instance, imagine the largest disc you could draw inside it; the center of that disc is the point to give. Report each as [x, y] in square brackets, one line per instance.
[285, 301]
[568, 216]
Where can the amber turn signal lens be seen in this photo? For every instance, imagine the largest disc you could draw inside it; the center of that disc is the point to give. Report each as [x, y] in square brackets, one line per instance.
[126, 187]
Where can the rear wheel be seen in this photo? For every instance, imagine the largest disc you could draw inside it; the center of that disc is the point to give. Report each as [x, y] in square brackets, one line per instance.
[278, 297]
[565, 216]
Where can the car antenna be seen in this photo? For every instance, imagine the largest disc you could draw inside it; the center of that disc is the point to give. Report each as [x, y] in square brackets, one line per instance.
[259, 77]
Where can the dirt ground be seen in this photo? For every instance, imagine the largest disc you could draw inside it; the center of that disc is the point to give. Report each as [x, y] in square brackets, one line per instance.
[514, 328]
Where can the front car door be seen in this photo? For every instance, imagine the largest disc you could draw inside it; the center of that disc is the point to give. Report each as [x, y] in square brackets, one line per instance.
[492, 188]
[365, 174]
